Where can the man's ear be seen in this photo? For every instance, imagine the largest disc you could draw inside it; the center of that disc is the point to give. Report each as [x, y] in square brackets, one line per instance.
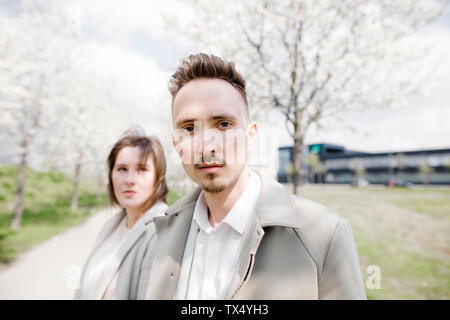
[252, 133]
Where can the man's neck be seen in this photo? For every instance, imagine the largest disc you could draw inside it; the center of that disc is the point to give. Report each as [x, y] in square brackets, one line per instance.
[219, 204]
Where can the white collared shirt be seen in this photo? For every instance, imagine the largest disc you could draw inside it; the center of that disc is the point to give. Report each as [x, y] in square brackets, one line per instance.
[211, 255]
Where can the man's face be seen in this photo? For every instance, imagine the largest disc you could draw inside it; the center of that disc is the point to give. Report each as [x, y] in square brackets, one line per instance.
[212, 134]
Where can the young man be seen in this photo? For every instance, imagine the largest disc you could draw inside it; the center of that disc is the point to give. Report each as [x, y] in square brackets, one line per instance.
[240, 235]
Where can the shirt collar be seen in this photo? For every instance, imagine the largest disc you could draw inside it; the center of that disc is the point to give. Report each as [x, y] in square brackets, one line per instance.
[201, 214]
[239, 215]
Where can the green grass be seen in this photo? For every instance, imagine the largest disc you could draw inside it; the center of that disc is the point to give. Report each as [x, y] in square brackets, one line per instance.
[403, 231]
[46, 208]
[429, 201]
[405, 273]
[172, 198]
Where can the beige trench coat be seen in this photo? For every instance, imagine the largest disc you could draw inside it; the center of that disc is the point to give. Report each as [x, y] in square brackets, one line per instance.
[298, 249]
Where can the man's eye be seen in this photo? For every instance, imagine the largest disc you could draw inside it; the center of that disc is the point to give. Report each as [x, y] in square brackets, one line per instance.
[188, 129]
[225, 124]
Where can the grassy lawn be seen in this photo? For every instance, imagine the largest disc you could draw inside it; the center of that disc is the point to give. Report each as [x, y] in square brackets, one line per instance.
[406, 232]
[46, 208]
[433, 202]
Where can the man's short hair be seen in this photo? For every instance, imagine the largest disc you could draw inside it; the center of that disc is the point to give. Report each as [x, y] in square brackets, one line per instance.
[203, 65]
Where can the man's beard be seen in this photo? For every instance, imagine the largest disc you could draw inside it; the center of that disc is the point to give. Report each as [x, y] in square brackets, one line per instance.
[212, 186]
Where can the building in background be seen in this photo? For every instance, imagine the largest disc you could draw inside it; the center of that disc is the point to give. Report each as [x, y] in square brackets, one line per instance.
[328, 163]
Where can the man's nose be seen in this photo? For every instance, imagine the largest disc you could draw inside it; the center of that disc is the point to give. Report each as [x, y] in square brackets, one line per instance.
[210, 140]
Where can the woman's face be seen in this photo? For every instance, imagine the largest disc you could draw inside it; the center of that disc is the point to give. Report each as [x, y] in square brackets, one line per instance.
[133, 182]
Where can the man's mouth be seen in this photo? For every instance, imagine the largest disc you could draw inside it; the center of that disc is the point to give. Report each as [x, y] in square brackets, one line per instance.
[210, 167]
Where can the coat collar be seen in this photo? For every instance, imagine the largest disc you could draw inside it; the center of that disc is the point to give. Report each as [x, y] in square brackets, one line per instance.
[273, 207]
[158, 209]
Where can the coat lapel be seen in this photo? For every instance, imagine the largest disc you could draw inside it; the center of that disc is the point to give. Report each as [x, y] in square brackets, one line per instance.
[171, 232]
[246, 260]
[273, 208]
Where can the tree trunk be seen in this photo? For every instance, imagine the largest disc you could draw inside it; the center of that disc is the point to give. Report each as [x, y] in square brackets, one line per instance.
[16, 222]
[297, 153]
[400, 174]
[310, 175]
[76, 181]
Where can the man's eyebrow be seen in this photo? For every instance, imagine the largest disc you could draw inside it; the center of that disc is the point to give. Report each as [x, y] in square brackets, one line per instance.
[181, 122]
[223, 116]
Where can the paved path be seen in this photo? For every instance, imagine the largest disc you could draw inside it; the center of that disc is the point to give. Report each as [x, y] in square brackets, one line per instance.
[51, 269]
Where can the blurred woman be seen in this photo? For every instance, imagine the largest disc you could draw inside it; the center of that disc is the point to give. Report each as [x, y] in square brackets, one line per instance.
[117, 267]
